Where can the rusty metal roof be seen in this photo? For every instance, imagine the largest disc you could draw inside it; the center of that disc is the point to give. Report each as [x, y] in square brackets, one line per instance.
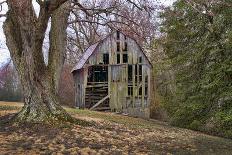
[85, 56]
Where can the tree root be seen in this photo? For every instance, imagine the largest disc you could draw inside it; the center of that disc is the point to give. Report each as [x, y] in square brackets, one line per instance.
[44, 116]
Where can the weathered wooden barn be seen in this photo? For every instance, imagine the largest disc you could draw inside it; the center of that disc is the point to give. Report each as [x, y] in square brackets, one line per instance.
[114, 74]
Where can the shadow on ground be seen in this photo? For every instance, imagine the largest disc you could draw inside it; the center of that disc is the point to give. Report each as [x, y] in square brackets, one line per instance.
[111, 134]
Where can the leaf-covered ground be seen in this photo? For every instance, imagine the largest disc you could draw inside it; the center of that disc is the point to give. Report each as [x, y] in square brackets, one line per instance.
[109, 134]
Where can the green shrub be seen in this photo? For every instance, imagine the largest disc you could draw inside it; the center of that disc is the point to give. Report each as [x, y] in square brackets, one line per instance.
[195, 125]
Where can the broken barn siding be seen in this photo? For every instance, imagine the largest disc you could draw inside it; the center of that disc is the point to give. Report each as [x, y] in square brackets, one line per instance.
[115, 74]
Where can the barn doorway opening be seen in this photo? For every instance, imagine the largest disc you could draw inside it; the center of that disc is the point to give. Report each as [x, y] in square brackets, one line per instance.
[96, 93]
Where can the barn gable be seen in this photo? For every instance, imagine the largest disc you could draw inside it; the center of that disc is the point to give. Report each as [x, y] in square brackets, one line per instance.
[90, 51]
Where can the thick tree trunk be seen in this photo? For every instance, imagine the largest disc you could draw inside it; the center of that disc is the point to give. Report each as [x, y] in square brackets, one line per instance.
[24, 36]
[41, 104]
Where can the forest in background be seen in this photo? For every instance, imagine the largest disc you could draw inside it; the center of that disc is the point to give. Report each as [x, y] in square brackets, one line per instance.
[189, 45]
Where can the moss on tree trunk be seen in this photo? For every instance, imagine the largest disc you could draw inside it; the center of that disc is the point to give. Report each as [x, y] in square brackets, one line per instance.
[41, 106]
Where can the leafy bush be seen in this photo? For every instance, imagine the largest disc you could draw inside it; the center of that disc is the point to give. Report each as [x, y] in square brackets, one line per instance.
[195, 125]
[224, 122]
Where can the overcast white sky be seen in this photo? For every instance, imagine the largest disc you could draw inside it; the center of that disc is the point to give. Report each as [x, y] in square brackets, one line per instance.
[4, 53]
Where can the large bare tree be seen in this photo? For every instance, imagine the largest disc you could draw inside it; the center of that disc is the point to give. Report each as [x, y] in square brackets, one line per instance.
[25, 34]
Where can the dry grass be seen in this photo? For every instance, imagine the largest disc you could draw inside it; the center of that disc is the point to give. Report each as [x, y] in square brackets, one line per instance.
[111, 134]
[16, 104]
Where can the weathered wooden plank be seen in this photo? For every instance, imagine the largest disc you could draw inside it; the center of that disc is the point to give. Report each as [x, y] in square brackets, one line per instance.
[99, 102]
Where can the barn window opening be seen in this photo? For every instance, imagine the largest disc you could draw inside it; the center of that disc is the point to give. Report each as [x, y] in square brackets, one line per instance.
[140, 91]
[136, 74]
[140, 73]
[106, 58]
[125, 47]
[118, 35]
[118, 46]
[136, 70]
[125, 58]
[146, 79]
[130, 91]
[140, 60]
[146, 90]
[140, 69]
[130, 73]
[140, 78]
[118, 58]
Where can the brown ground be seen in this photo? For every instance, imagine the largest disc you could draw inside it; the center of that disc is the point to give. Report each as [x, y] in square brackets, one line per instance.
[108, 134]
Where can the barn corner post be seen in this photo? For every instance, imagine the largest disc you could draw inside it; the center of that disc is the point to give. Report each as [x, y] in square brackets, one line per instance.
[24, 37]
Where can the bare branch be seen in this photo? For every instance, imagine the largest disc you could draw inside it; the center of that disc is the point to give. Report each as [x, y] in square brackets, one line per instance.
[136, 5]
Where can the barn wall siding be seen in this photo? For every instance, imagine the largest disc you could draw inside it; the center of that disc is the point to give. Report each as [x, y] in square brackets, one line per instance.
[135, 104]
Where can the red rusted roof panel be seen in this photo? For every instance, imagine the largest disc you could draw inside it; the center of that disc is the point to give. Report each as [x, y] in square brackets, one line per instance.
[85, 56]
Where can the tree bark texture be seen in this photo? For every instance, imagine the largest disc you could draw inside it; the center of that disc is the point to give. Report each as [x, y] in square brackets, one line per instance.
[24, 36]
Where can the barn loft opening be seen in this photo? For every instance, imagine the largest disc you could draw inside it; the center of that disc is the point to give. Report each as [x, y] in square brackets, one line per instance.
[130, 73]
[140, 59]
[125, 58]
[118, 58]
[140, 73]
[125, 47]
[140, 91]
[118, 35]
[98, 74]
[136, 74]
[146, 79]
[146, 90]
[118, 46]
[106, 58]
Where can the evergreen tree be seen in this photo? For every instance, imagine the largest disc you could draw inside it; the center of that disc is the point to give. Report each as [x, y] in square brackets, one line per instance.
[199, 43]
